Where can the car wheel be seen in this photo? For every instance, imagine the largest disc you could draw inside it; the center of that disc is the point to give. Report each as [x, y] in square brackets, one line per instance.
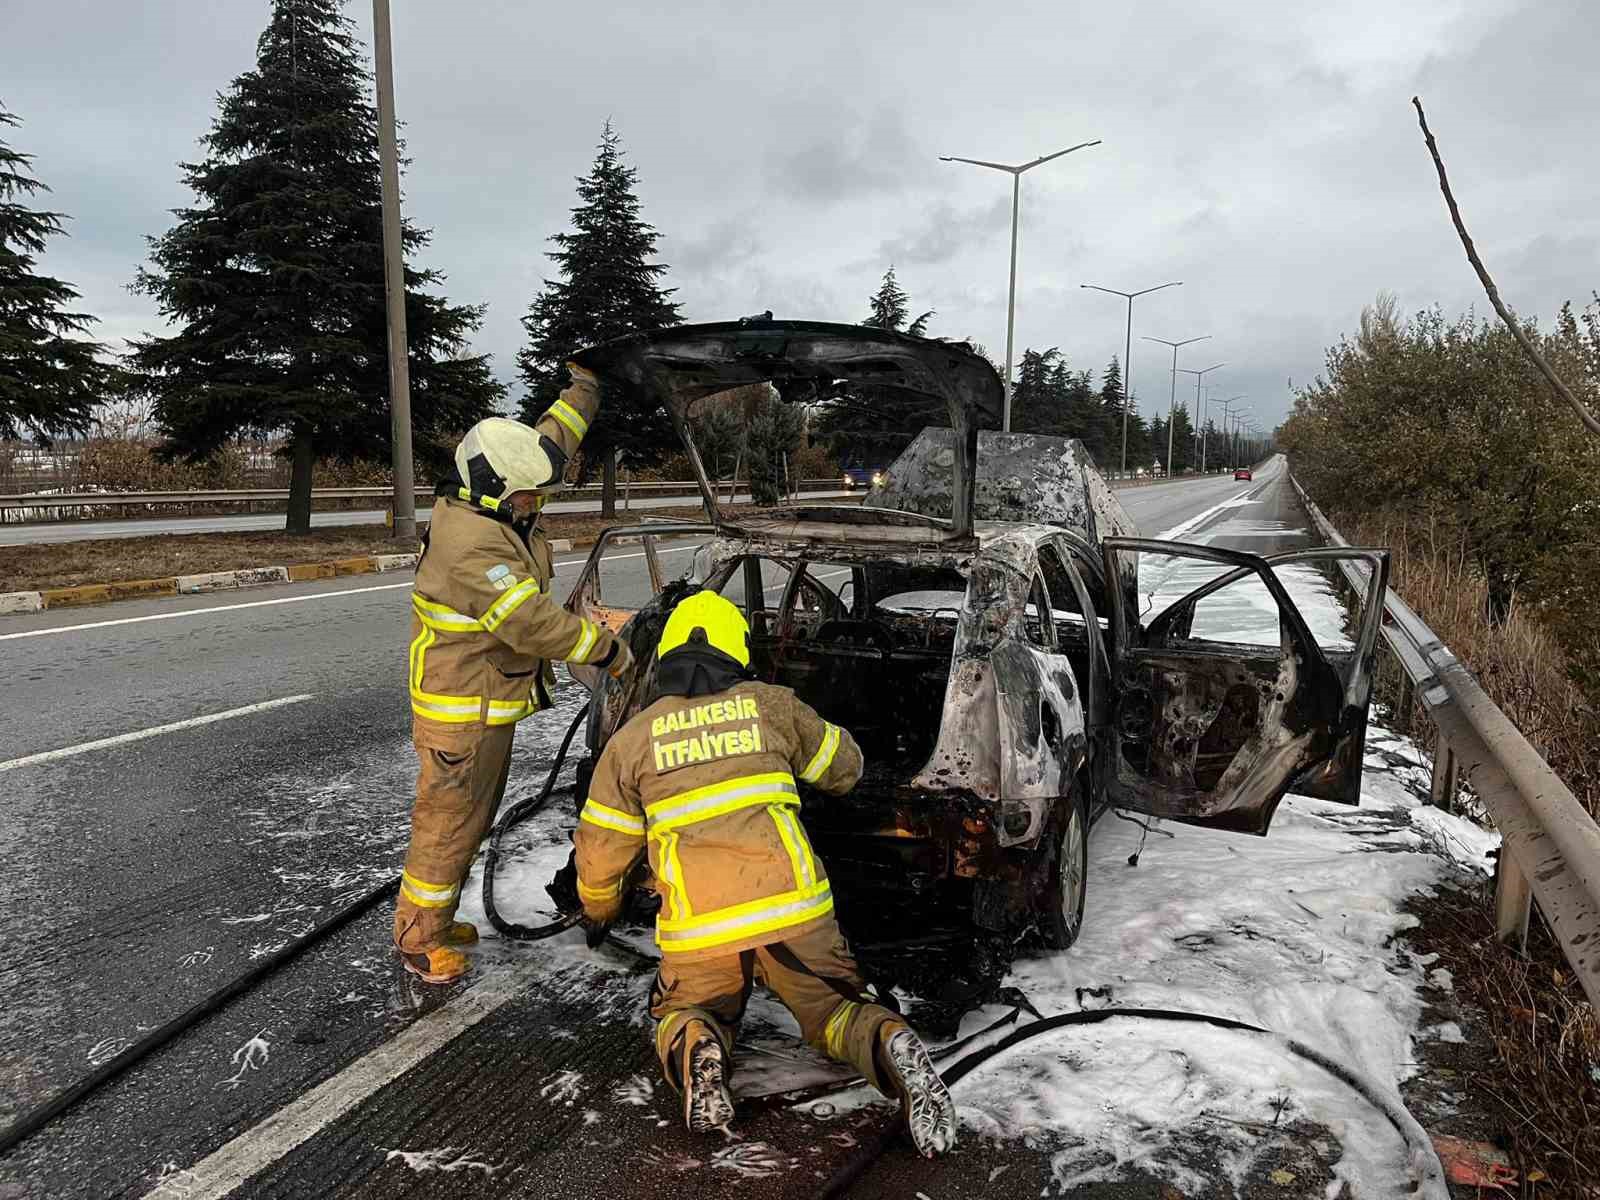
[1062, 900]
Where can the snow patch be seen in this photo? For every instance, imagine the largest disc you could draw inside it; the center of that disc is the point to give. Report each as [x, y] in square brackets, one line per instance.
[445, 1159]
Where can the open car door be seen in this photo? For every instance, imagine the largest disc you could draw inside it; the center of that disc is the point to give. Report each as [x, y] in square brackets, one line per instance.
[1224, 697]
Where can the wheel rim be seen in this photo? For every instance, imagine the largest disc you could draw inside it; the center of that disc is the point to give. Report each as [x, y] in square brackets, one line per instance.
[1073, 868]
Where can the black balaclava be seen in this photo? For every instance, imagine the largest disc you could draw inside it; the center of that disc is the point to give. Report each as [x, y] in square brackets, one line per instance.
[696, 669]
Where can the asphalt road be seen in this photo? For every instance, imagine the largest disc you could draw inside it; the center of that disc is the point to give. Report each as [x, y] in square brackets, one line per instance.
[262, 781]
[49, 533]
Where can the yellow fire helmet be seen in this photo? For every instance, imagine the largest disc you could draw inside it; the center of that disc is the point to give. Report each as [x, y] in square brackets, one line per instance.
[499, 456]
[707, 619]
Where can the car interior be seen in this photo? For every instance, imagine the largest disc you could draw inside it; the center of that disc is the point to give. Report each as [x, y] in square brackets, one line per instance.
[870, 646]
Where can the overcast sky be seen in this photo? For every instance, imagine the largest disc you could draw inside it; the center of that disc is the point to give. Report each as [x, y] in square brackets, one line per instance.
[1264, 154]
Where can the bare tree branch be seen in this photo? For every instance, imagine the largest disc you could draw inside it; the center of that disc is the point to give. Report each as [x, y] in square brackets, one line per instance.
[1528, 348]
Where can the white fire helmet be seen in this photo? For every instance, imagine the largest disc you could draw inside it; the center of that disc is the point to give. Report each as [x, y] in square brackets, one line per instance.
[499, 456]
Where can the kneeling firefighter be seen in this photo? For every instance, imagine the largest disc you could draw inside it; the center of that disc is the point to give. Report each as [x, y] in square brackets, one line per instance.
[703, 780]
[484, 632]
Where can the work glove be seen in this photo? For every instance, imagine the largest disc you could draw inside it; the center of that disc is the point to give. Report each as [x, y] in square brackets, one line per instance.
[594, 932]
[618, 660]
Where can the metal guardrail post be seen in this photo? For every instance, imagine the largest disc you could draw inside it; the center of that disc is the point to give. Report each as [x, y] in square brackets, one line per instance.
[1513, 903]
[1442, 788]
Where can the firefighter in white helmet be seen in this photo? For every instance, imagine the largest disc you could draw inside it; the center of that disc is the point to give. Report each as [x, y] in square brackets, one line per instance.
[485, 630]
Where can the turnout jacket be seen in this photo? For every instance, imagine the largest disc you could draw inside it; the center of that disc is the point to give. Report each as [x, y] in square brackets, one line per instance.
[484, 626]
[706, 785]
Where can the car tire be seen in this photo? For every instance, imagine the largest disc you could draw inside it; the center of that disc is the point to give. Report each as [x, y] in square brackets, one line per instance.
[1060, 917]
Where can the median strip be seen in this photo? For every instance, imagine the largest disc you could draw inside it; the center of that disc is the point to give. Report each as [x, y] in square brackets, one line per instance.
[217, 581]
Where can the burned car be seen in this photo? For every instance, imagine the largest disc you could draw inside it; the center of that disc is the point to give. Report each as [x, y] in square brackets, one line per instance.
[977, 626]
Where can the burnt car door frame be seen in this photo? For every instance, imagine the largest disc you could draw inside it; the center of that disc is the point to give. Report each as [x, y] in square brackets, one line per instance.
[1343, 783]
[585, 597]
[1307, 688]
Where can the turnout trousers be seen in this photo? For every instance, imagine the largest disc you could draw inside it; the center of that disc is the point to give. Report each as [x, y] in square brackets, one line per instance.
[813, 975]
[459, 790]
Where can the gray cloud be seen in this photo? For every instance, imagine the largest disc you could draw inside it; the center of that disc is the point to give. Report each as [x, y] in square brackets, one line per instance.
[1266, 155]
[946, 233]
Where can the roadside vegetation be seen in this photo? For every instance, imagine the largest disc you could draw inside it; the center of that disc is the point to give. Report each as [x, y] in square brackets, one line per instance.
[1437, 438]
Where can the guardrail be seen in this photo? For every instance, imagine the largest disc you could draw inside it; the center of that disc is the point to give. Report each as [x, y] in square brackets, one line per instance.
[1550, 846]
[15, 509]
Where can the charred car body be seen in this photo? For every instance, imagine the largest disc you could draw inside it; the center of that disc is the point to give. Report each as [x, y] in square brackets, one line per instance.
[977, 627]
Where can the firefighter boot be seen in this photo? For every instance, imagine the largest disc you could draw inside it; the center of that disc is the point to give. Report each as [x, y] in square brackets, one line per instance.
[707, 1105]
[439, 965]
[461, 933]
[925, 1103]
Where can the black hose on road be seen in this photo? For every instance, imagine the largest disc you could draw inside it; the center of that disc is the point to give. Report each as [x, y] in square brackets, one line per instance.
[1430, 1178]
[514, 816]
[31, 1122]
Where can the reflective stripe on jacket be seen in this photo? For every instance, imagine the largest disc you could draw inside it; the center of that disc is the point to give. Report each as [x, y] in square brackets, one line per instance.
[484, 626]
[708, 787]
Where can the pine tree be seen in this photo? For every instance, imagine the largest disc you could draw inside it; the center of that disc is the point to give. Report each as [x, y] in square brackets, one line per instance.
[890, 306]
[49, 380]
[1035, 397]
[776, 429]
[1112, 405]
[608, 288]
[276, 275]
[871, 426]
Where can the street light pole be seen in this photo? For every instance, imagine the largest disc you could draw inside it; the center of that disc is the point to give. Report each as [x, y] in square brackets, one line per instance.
[1172, 404]
[1127, 352]
[1015, 171]
[1226, 406]
[1198, 376]
[394, 282]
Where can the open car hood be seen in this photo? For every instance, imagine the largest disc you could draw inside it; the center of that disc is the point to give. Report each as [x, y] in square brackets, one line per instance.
[807, 361]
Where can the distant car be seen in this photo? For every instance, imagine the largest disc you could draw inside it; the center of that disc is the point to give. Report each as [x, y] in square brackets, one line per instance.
[867, 477]
[1244, 474]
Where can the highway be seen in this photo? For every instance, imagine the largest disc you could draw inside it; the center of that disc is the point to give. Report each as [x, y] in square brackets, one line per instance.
[189, 782]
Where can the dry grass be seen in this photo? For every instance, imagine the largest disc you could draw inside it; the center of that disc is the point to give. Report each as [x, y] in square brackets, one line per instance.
[1518, 661]
[111, 560]
[1545, 1084]
[1544, 1081]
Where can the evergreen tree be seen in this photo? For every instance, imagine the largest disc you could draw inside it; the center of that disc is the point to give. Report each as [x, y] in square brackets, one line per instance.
[1035, 396]
[776, 429]
[49, 380]
[608, 288]
[890, 306]
[276, 280]
[871, 426]
[1113, 404]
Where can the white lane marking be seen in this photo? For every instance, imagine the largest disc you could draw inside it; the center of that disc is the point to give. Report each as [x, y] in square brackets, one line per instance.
[778, 587]
[219, 608]
[230, 1165]
[199, 612]
[1177, 531]
[122, 739]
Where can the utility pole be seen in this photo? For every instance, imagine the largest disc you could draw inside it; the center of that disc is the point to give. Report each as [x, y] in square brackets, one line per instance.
[1127, 353]
[1016, 202]
[1198, 376]
[394, 282]
[1172, 404]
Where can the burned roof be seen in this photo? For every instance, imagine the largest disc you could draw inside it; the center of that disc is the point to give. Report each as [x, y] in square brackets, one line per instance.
[1022, 478]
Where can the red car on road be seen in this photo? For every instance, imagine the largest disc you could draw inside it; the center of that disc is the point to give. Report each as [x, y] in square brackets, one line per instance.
[1243, 473]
